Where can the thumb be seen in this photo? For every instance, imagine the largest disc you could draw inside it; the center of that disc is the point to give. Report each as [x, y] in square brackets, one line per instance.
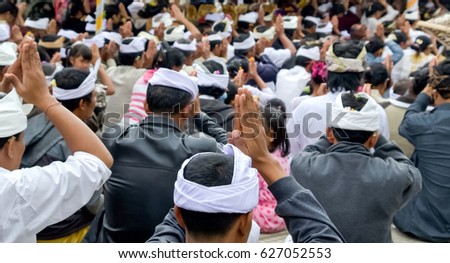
[10, 81]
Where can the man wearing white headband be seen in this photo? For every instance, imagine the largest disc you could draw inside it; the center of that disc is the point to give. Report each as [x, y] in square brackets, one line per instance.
[345, 68]
[360, 190]
[225, 29]
[218, 46]
[37, 27]
[189, 48]
[36, 197]
[152, 152]
[215, 193]
[75, 90]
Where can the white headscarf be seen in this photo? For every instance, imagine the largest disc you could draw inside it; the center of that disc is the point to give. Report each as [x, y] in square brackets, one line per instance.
[13, 114]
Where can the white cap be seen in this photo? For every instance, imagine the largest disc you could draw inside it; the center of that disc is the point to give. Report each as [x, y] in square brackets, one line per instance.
[269, 33]
[248, 43]
[162, 18]
[215, 37]
[214, 17]
[4, 31]
[312, 53]
[313, 19]
[112, 36]
[37, 24]
[208, 79]
[149, 37]
[98, 40]
[227, 30]
[192, 46]
[290, 22]
[135, 7]
[350, 119]
[268, 17]
[91, 26]
[412, 15]
[250, 17]
[132, 45]
[69, 34]
[8, 53]
[173, 33]
[89, 19]
[173, 79]
[13, 114]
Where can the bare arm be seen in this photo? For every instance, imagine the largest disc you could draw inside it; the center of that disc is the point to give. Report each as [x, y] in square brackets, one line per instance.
[285, 41]
[178, 15]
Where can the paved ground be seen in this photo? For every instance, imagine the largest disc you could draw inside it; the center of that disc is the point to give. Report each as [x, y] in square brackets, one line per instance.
[397, 236]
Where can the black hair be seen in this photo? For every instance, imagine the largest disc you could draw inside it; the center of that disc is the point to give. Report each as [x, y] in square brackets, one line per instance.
[376, 74]
[443, 87]
[69, 79]
[214, 43]
[77, 51]
[274, 119]
[169, 58]
[400, 37]
[111, 10]
[373, 8]
[214, 66]
[8, 7]
[346, 80]
[220, 27]
[337, 9]
[214, 91]
[231, 93]
[235, 63]
[3, 141]
[241, 26]
[374, 44]
[163, 99]
[308, 10]
[308, 24]
[74, 7]
[421, 78]
[241, 38]
[186, 42]
[213, 169]
[43, 54]
[302, 61]
[357, 103]
[128, 59]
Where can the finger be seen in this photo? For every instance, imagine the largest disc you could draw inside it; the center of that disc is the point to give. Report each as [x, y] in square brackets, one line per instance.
[237, 116]
[11, 79]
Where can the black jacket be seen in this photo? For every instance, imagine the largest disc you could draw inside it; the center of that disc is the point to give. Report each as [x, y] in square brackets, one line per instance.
[222, 113]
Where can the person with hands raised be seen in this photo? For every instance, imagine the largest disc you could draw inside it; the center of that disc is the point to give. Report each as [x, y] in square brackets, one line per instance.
[36, 197]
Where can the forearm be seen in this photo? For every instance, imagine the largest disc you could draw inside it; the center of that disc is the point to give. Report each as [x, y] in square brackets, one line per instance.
[192, 28]
[105, 80]
[208, 126]
[287, 44]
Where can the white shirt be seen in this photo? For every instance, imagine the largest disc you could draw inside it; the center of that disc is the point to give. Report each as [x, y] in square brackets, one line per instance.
[309, 121]
[34, 198]
[277, 56]
[290, 84]
[410, 62]
[264, 94]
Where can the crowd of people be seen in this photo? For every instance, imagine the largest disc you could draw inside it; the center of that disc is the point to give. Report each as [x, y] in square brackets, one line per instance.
[208, 121]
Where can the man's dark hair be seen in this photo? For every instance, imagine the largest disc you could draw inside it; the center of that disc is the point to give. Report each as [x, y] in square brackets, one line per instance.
[308, 24]
[421, 78]
[214, 43]
[8, 7]
[374, 44]
[302, 61]
[356, 103]
[69, 79]
[376, 74]
[3, 141]
[213, 169]
[127, 59]
[111, 10]
[185, 42]
[169, 58]
[214, 91]
[235, 63]
[443, 87]
[400, 37]
[163, 99]
[346, 80]
[337, 9]
[239, 39]
[373, 8]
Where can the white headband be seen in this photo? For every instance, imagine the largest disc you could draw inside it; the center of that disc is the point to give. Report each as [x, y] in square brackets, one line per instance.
[211, 79]
[214, 17]
[4, 31]
[136, 45]
[8, 53]
[175, 34]
[98, 40]
[162, 18]
[91, 27]
[37, 24]
[13, 114]
[186, 47]
[311, 53]
[349, 119]
[69, 34]
[214, 37]
[393, 95]
[58, 68]
[290, 22]
[268, 34]
[250, 17]
[112, 36]
[174, 79]
[241, 196]
[246, 44]
[85, 88]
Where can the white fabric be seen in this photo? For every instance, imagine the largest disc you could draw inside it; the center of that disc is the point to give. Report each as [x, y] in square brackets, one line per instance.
[176, 80]
[112, 36]
[246, 44]
[309, 121]
[58, 68]
[149, 37]
[268, 17]
[230, 51]
[413, 34]
[8, 54]
[412, 15]
[264, 94]
[37, 197]
[214, 37]
[228, 29]
[89, 19]
[37, 24]
[135, 7]
[325, 28]
[250, 17]
[69, 34]
[391, 14]
[4, 31]
[325, 7]
[91, 27]
[277, 56]
[137, 45]
[350, 119]
[290, 84]
[86, 87]
[13, 115]
[186, 47]
[216, 80]
[312, 53]
[410, 62]
[313, 19]
[161, 18]
[214, 17]
[268, 34]
[241, 196]
[177, 33]
[290, 22]
[98, 40]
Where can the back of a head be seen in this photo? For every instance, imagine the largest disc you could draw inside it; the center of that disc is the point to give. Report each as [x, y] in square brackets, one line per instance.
[358, 32]
[421, 44]
[274, 120]
[319, 72]
[70, 79]
[375, 44]
[235, 63]
[399, 37]
[376, 74]
[209, 170]
[373, 8]
[441, 79]
[337, 9]
[6, 6]
[346, 79]
[421, 78]
[169, 58]
[79, 50]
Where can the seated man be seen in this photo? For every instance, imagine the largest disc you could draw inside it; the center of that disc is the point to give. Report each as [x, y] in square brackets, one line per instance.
[215, 193]
[360, 190]
[427, 216]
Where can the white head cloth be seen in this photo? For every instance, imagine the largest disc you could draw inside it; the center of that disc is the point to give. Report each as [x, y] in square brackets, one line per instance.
[312, 53]
[250, 17]
[393, 95]
[136, 45]
[85, 88]
[268, 34]
[339, 64]
[186, 47]
[412, 15]
[112, 36]
[98, 40]
[215, 37]
[37, 24]
[268, 17]
[69, 34]
[175, 34]
[313, 19]
[214, 17]
[350, 119]
[207, 79]
[241, 196]
[290, 22]
[227, 30]
[4, 31]
[58, 68]
[246, 44]
[135, 7]
[8, 53]
[174, 79]
[91, 27]
[162, 18]
[89, 19]
[13, 114]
